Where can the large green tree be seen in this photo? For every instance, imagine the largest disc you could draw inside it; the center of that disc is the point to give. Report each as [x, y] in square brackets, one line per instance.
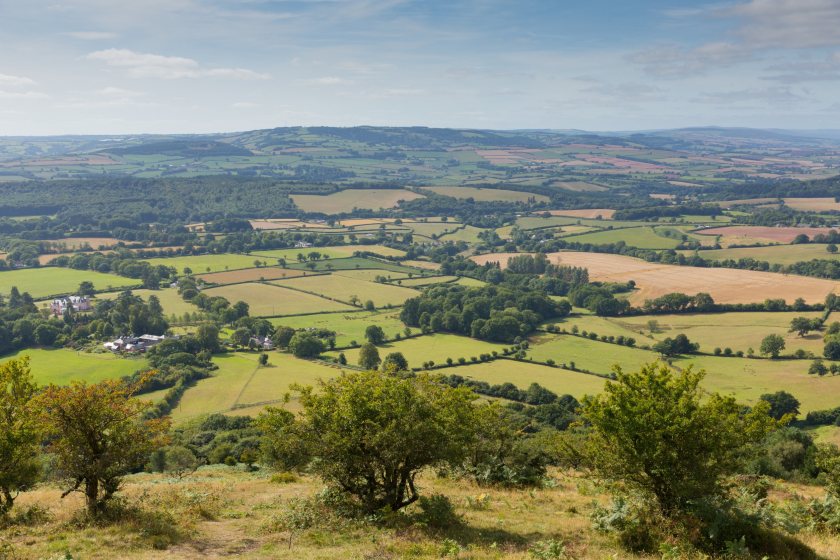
[654, 432]
[18, 431]
[373, 433]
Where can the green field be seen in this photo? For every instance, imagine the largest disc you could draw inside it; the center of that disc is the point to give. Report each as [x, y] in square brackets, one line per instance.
[598, 357]
[342, 288]
[268, 300]
[347, 326]
[170, 299]
[428, 281]
[61, 366]
[487, 195]
[747, 380]
[346, 200]
[207, 263]
[52, 280]
[774, 254]
[469, 282]
[641, 237]
[241, 387]
[522, 374]
[371, 274]
[468, 234]
[435, 347]
[353, 263]
[338, 251]
[738, 331]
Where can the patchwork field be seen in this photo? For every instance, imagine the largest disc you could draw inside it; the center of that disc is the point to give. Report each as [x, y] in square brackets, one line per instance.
[370, 274]
[355, 263]
[803, 204]
[654, 279]
[61, 366]
[343, 288]
[268, 300]
[348, 327]
[487, 195]
[594, 356]
[422, 264]
[346, 200]
[251, 275]
[414, 282]
[435, 347]
[49, 281]
[753, 234]
[579, 186]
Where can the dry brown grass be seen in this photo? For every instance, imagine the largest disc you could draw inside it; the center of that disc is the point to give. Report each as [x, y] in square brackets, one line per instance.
[224, 512]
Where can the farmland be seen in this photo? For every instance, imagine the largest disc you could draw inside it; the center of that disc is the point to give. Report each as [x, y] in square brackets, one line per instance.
[758, 234]
[654, 279]
[590, 213]
[61, 366]
[641, 237]
[268, 300]
[486, 194]
[343, 288]
[436, 348]
[343, 201]
[49, 281]
[774, 254]
[206, 263]
[170, 300]
[349, 326]
[339, 251]
[250, 275]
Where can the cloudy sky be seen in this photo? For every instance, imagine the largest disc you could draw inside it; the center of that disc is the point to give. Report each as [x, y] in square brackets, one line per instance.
[114, 66]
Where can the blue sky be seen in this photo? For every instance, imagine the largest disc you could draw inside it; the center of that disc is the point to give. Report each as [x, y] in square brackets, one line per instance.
[111, 66]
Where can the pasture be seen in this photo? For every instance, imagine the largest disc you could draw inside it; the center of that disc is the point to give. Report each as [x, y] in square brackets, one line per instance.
[655, 279]
[370, 274]
[597, 357]
[207, 263]
[269, 300]
[170, 300]
[354, 263]
[486, 195]
[241, 387]
[434, 347]
[76, 243]
[250, 275]
[425, 265]
[61, 365]
[50, 281]
[343, 288]
[338, 251]
[641, 237]
[738, 331]
[428, 281]
[348, 326]
[468, 234]
[346, 200]
[523, 373]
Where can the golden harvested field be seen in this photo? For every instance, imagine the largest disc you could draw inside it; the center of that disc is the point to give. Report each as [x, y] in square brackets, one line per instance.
[592, 213]
[579, 186]
[285, 224]
[804, 204]
[753, 234]
[343, 288]
[73, 243]
[487, 195]
[346, 200]
[269, 300]
[251, 275]
[426, 265]
[781, 254]
[335, 252]
[654, 279]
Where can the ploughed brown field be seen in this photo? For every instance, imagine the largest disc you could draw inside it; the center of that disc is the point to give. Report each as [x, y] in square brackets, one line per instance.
[590, 213]
[763, 233]
[725, 285]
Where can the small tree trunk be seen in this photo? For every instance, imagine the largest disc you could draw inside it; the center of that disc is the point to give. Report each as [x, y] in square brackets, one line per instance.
[6, 501]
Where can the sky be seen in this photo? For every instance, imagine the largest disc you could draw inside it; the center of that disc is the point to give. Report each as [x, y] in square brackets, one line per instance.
[198, 66]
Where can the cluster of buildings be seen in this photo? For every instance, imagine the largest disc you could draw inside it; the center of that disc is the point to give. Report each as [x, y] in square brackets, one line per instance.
[262, 342]
[74, 303]
[133, 344]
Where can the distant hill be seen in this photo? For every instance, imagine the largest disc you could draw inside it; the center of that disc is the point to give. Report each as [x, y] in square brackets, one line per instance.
[182, 148]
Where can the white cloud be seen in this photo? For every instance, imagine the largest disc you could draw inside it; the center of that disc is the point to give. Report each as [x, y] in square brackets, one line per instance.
[674, 61]
[774, 96]
[325, 81]
[244, 105]
[788, 23]
[806, 70]
[22, 95]
[146, 65]
[15, 81]
[91, 35]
